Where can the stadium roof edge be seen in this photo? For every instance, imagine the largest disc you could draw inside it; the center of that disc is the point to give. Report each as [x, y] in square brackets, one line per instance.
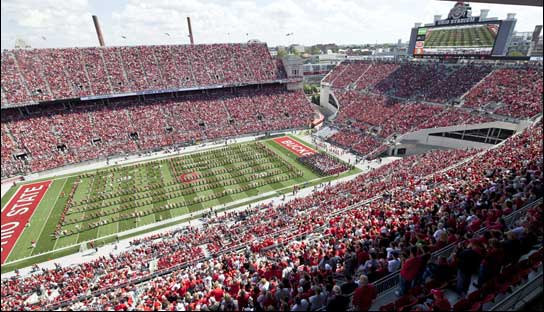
[509, 2]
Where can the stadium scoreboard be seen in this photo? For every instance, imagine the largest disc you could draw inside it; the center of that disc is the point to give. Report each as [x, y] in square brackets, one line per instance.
[468, 39]
[461, 35]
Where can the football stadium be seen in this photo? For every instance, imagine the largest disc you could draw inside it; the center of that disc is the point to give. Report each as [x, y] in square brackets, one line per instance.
[204, 177]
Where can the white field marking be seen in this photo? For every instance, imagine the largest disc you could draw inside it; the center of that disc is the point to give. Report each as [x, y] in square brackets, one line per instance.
[12, 196]
[49, 215]
[184, 216]
[242, 203]
[140, 160]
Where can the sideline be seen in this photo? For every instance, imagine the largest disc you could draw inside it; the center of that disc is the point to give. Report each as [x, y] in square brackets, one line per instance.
[120, 161]
[123, 245]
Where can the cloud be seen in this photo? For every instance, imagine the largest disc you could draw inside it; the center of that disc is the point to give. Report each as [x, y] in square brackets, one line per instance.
[63, 23]
[68, 23]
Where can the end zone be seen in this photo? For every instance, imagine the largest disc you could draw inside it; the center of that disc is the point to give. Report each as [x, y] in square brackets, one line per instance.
[18, 212]
[294, 146]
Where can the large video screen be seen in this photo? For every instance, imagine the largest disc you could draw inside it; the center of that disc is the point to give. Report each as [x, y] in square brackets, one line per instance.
[468, 39]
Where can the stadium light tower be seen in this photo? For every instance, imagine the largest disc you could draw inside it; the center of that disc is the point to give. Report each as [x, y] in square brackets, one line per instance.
[98, 31]
[190, 30]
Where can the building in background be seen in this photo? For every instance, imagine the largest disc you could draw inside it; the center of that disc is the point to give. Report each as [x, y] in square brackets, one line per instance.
[520, 43]
[537, 49]
[298, 48]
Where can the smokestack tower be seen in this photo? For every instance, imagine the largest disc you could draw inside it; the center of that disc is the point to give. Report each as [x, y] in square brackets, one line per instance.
[190, 30]
[98, 31]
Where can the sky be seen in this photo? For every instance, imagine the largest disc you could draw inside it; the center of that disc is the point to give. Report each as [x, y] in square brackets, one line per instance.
[68, 23]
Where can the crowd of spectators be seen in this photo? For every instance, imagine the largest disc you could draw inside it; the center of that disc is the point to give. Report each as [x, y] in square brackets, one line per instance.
[365, 120]
[360, 75]
[375, 73]
[518, 91]
[324, 164]
[53, 136]
[356, 140]
[306, 254]
[335, 73]
[435, 82]
[33, 75]
[457, 84]
[350, 74]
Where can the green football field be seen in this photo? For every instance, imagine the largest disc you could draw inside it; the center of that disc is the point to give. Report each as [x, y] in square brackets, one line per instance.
[102, 203]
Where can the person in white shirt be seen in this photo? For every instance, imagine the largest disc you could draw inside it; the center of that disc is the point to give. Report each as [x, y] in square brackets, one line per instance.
[439, 231]
[393, 263]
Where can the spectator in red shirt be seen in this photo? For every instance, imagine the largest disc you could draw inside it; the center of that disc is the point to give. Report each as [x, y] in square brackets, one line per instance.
[408, 271]
[364, 294]
[243, 299]
[439, 302]
[217, 293]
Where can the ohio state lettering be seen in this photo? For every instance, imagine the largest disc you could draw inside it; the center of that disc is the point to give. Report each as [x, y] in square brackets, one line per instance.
[17, 213]
[295, 147]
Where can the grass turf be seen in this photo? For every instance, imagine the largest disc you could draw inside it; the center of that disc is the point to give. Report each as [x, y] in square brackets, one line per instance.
[47, 215]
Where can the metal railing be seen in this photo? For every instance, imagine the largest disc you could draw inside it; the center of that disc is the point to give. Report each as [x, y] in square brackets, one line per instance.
[521, 296]
[382, 285]
[514, 216]
[390, 281]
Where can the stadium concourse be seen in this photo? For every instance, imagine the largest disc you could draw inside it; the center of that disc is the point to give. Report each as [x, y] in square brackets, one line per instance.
[326, 250]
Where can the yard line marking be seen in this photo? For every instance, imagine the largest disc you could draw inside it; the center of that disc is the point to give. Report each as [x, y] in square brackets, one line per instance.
[49, 215]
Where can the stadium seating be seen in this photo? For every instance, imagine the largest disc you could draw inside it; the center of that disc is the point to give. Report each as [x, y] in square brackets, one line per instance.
[33, 75]
[273, 262]
[53, 136]
[375, 73]
[359, 74]
[351, 74]
[366, 119]
[519, 91]
[414, 80]
[378, 100]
